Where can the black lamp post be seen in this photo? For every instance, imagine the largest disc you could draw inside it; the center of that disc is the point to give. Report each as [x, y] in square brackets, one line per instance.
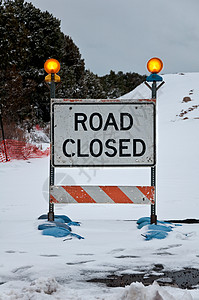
[154, 66]
[51, 66]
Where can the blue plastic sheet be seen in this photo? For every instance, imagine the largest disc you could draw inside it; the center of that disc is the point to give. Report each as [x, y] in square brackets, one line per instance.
[143, 219]
[61, 219]
[153, 231]
[53, 224]
[155, 234]
[159, 227]
[143, 224]
[60, 232]
[60, 227]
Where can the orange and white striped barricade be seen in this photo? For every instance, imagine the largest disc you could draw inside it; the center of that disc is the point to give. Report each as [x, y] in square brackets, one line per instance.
[102, 194]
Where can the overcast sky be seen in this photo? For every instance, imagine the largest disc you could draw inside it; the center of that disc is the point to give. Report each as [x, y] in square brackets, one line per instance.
[121, 35]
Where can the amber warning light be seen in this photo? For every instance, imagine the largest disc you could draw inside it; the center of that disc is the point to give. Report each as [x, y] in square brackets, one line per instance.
[154, 65]
[52, 66]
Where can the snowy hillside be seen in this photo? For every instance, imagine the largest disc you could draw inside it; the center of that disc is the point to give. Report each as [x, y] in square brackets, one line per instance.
[33, 266]
[178, 143]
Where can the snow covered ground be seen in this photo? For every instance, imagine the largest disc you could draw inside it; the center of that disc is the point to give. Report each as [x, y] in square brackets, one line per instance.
[33, 266]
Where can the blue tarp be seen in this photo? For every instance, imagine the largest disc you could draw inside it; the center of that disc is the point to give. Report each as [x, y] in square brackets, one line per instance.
[153, 231]
[155, 234]
[60, 227]
[60, 232]
[61, 218]
[53, 224]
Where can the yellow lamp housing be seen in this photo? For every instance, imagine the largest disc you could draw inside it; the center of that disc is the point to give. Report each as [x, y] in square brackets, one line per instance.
[52, 66]
[154, 65]
[49, 79]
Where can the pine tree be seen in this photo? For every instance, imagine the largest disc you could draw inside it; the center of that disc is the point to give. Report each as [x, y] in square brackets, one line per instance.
[28, 38]
[116, 85]
[92, 86]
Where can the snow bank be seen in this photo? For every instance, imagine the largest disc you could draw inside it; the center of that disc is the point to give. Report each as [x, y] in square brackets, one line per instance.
[49, 288]
[38, 289]
[137, 291]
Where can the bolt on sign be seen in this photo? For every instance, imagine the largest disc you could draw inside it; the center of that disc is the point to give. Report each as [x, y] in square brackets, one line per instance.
[109, 133]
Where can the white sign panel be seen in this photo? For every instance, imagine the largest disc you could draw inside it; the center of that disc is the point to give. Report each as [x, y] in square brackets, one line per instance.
[93, 133]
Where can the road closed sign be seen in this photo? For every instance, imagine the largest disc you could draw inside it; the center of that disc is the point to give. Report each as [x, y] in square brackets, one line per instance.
[95, 133]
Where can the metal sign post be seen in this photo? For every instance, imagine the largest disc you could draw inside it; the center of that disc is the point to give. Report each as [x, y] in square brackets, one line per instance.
[52, 170]
[2, 131]
[51, 66]
[154, 65]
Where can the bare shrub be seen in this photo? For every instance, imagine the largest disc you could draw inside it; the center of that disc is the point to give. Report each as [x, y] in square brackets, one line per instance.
[46, 130]
[13, 131]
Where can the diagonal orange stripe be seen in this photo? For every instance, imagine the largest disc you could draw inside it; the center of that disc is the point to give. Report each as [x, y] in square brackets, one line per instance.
[148, 191]
[116, 194]
[53, 200]
[80, 195]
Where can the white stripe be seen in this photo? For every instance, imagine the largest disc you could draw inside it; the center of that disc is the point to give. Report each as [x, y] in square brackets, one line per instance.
[135, 194]
[61, 195]
[97, 194]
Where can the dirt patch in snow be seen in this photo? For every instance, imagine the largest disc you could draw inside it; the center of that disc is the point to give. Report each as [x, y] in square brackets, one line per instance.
[187, 278]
